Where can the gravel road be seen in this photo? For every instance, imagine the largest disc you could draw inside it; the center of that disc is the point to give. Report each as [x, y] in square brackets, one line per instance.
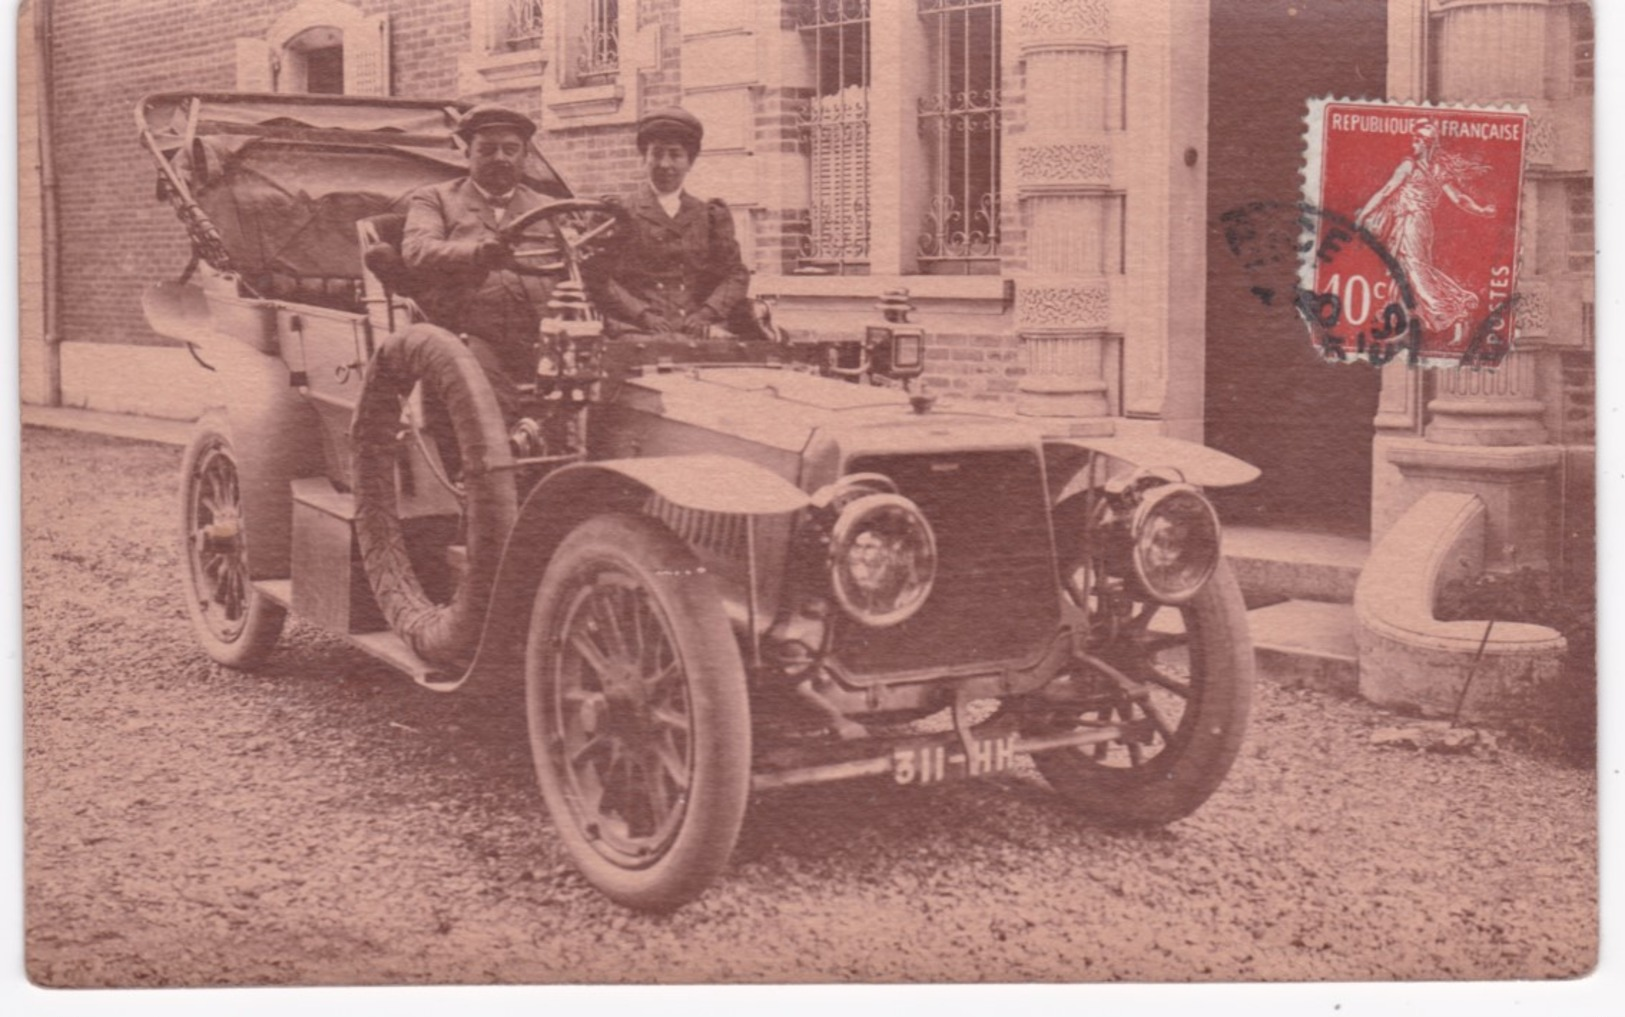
[324, 821]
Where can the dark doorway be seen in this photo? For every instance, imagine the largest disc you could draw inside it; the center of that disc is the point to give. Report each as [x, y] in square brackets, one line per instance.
[324, 70]
[1270, 398]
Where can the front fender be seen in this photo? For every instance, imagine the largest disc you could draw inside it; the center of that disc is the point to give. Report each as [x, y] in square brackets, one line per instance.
[570, 496]
[1198, 464]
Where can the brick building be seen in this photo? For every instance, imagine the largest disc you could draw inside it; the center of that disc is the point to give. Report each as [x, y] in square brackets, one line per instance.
[1044, 176]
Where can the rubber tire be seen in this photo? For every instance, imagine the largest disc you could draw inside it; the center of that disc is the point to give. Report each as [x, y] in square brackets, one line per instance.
[1166, 789]
[439, 633]
[720, 738]
[264, 617]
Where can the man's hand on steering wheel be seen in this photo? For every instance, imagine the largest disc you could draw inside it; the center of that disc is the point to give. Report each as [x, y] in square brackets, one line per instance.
[493, 252]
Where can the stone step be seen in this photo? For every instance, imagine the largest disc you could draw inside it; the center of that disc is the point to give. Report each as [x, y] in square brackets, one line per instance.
[1274, 565]
[1307, 644]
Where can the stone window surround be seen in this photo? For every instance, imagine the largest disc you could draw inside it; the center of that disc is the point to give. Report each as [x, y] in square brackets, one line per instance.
[274, 62]
[486, 69]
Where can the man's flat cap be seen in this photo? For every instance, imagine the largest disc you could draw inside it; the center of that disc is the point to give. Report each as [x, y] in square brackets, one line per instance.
[673, 123]
[491, 115]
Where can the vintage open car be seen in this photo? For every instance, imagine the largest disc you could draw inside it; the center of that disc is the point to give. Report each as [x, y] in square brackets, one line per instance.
[721, 565]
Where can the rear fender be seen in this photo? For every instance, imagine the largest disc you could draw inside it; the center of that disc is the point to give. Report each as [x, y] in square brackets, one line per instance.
[274, 433]
[574, 494]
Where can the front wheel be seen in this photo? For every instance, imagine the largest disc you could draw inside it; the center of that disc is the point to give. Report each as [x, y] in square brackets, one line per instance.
[236, 623]
[1182, 692]
[639, 722]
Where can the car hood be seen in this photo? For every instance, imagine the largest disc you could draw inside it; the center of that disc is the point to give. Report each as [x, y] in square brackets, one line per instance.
[785, 409]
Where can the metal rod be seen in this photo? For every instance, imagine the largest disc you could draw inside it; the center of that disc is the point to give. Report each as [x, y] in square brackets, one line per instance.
[751, 607]
[821, 774]
[50, 226]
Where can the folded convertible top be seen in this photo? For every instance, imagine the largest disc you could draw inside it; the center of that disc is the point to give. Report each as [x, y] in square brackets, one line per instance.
[274, 184]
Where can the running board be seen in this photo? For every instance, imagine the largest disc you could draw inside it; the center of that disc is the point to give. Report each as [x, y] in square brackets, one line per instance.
[383, 646]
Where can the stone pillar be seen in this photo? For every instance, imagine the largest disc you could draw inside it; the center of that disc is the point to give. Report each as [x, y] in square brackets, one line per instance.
[1478, 407]
[1485, 433]
[1063, 164]
[1489, 51]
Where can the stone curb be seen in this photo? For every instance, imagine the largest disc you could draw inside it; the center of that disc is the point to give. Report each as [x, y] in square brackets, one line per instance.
[113, 425]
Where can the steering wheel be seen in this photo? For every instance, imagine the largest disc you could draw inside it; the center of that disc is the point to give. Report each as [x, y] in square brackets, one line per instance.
[578, 228]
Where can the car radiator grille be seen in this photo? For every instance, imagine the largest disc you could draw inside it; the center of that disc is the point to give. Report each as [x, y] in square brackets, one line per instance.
[995, 596]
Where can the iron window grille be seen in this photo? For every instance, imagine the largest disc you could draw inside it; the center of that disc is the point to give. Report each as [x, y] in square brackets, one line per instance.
[598, 50]
[961, 121]
[518, 25]
[835, 126]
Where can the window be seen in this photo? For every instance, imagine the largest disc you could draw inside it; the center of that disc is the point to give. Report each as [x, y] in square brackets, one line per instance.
[516, 25]
[836, 126]
[960, 120]
[589, 41]
[598, 51]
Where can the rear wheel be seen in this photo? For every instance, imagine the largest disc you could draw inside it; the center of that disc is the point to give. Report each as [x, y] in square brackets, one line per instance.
[1182, 689]
[639, 722]
[237, 624]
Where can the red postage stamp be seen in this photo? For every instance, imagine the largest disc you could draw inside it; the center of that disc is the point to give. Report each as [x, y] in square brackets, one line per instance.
[1414, 213]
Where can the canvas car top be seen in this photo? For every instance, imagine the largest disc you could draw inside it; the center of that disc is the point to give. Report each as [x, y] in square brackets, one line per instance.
[285, 178]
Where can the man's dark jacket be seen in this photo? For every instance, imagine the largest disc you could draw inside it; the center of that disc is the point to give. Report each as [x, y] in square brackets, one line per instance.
[674, 266]
[444, 225]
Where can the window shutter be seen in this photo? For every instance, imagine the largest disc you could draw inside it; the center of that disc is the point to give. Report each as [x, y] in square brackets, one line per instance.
[254, 70]
[366, 57]
[840, 176]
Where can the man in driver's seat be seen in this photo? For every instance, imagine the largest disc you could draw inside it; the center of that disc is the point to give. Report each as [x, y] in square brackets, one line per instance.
[468, 283]
[676, 267]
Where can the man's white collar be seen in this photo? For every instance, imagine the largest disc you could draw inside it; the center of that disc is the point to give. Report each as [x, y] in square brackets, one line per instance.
[503, 198]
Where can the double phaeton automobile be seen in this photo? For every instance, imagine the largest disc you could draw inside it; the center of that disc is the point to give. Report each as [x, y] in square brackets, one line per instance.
[719, 566]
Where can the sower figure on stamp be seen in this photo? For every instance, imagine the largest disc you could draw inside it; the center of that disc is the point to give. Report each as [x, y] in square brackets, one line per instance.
[1401, 215]
[676, 267]
[470, 283]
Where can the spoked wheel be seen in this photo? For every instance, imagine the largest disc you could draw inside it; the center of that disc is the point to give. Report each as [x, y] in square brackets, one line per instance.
[1182, 690]
[236, 624]
[639, 723]
[441, 631]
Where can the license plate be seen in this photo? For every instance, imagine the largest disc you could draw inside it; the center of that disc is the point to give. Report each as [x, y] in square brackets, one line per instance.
[931, 762]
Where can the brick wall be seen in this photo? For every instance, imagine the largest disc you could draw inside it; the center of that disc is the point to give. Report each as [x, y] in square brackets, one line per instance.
[116, 238]
[980, 366]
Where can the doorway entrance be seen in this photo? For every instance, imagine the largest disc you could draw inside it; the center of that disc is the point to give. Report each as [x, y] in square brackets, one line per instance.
[1270, 398]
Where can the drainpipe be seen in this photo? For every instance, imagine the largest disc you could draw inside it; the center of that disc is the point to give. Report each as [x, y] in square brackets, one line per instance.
[51, 239]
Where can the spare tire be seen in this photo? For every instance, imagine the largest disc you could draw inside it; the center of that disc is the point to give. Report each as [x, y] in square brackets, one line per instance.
[441, 633]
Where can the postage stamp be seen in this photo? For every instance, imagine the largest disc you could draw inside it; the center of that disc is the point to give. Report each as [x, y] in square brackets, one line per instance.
[1412, 213]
